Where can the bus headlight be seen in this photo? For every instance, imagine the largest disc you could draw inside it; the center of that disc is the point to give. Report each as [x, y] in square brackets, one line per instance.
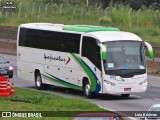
[10, 68]
[109, 83]
[143, 82]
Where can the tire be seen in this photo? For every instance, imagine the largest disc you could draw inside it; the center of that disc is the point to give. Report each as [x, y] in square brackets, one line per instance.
[38, 81]
[125, 95]
[87, 90]
[10, 76]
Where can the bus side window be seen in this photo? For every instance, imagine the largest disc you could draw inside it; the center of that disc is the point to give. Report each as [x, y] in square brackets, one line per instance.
[91, 50]
[22, 37]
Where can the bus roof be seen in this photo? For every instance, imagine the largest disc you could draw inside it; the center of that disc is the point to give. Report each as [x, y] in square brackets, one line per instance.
[73, 28]
[101, 33]
[105, 36]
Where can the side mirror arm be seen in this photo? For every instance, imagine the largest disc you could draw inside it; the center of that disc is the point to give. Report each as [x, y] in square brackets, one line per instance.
[150, 50]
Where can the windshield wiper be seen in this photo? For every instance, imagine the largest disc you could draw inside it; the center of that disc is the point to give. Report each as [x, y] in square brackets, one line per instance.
[138, 72]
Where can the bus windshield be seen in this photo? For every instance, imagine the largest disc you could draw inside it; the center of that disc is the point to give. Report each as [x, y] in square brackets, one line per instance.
[125, 57]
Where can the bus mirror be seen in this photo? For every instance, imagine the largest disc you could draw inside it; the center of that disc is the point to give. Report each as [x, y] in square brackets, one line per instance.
[103, 52]
[150, 50]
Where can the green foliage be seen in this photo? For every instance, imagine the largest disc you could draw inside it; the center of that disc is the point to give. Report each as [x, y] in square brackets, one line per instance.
[73, 12]
[104, 20]
[3, 19]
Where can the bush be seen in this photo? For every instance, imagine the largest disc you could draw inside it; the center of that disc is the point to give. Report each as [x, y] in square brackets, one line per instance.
[104, 20]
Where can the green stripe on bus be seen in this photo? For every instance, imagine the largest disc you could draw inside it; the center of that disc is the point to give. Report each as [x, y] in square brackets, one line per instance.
[61, 82]
[87, 71]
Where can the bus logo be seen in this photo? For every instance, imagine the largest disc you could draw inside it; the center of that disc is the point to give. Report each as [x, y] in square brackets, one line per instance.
[69, 59]
[58, 58]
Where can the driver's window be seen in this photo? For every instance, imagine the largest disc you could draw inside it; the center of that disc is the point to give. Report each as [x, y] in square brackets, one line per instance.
[91, 50]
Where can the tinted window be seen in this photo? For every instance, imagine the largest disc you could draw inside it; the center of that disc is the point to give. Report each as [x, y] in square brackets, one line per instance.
[91, 50]
[22, 37]
[50, 40]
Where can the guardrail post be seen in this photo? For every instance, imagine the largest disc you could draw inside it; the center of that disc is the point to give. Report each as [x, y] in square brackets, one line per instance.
[106, 11]
[89, 10]
[82, 10]
[19, 12]
[129, 14]
[60, 8]
[54, 8]
[0, 13]
[74, 11]
[155, 15]
[47, 7]
[33, 8]
[98, 10]
[138, 18]
[39, 10]
[6, 13]
[12, 13]
[26, 11]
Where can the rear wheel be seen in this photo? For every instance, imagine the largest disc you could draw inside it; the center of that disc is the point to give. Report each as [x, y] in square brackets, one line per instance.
[125, 95]
[38, 81]
[87, 90]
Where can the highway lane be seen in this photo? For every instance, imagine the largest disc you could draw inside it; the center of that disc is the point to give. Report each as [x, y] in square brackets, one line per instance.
[137, 102]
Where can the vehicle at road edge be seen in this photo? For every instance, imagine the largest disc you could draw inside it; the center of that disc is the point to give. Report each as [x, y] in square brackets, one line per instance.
[5, 68]
[97, 116]
[154, 110]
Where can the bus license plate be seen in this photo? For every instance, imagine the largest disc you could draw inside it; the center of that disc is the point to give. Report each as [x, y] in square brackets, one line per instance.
[127, 89]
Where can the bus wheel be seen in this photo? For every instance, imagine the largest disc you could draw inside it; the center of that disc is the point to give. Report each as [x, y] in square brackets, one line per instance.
[87, 90]
[38, 81]
[125, 95]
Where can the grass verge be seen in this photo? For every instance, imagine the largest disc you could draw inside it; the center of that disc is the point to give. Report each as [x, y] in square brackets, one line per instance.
[28, 100]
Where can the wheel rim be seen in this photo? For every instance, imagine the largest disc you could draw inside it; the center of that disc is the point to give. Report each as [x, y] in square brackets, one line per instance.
[38, 81]
[87, 89]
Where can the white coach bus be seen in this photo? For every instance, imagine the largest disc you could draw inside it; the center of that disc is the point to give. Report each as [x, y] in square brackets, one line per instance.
[94, 59]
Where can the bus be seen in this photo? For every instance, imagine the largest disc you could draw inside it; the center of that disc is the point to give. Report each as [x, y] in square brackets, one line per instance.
[94, 59]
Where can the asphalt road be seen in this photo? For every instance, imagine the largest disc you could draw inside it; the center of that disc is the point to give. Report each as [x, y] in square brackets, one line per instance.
[136, 102]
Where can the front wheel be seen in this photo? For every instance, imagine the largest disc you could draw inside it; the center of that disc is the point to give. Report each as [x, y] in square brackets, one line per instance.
[87, 90]
[38, 81]
[125, 95]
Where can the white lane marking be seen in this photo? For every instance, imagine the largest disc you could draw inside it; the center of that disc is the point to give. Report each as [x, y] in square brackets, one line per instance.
[126, 118]
[136, 96]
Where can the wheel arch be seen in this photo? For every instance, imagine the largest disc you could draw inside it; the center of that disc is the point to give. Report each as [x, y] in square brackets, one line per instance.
[84, 80]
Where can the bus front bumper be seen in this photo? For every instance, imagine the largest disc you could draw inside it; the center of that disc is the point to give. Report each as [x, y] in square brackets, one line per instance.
[124, 89]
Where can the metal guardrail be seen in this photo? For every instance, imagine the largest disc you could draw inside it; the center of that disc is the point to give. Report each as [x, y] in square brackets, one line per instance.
[10, 33]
